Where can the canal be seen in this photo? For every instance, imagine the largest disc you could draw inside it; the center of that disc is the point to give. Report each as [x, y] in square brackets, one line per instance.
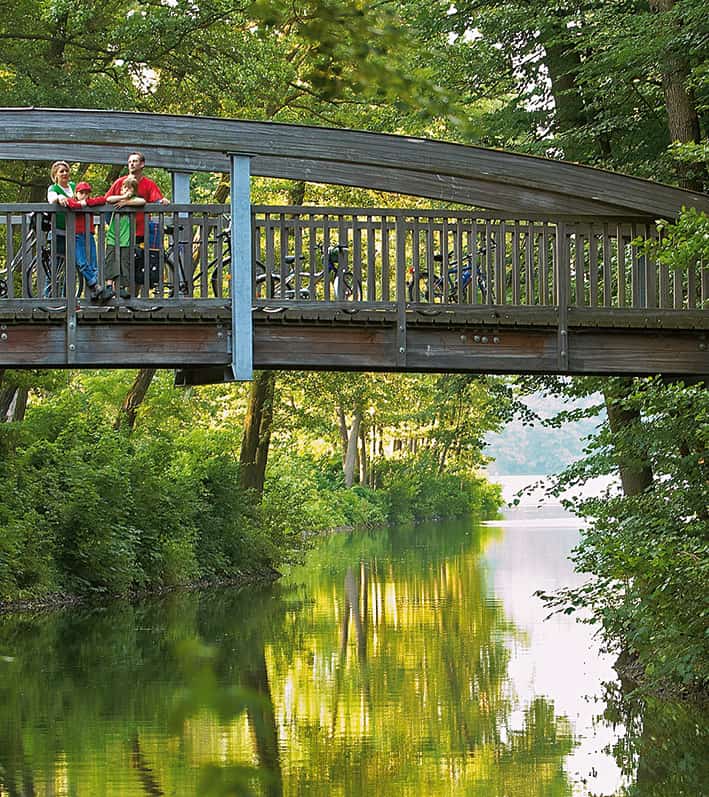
[406, 661]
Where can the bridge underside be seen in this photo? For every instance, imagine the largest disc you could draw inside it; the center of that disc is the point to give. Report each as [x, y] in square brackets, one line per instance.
[196, 339]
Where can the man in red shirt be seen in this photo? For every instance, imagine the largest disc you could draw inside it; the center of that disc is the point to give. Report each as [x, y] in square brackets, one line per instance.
[147, 189]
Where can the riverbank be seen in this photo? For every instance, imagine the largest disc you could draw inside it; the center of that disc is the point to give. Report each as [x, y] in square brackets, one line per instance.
[242, 541]
[57, 601]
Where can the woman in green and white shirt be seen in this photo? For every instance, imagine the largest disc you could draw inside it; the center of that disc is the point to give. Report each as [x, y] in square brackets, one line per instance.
[58, 193]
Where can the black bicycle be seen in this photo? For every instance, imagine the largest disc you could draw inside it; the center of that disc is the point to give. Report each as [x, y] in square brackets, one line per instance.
[299, 284]
[452, 283]
[40, 274]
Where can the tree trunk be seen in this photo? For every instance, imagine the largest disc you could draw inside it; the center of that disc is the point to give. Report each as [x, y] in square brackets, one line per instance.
[351, 455]
[222, 192]
[682, 116]
[257, 432]
[563, 61]
[134, 398]
[443, 458]
[296, 193]
[262, 718]
[7, 394]
[635, 474]
[19, 405]
[363, 471]
[342, 422]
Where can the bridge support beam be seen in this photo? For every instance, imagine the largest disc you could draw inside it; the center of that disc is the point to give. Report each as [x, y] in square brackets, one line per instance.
[181, 188]
[242, 334]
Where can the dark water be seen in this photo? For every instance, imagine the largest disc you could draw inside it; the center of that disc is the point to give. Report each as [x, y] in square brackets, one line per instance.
[400, 662]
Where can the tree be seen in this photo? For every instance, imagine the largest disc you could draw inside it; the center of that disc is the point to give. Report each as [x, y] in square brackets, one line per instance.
[257, 432]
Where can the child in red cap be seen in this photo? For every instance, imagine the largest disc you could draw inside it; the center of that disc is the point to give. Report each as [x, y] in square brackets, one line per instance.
[86, 260]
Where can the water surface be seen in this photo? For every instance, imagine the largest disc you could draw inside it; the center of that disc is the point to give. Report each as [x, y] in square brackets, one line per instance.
[406, 661]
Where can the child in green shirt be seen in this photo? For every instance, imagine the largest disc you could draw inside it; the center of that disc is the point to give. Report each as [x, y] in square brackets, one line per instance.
[121, 266]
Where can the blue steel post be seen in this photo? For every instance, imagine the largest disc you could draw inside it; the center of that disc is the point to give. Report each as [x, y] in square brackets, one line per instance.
[242, 348]
[181, 188]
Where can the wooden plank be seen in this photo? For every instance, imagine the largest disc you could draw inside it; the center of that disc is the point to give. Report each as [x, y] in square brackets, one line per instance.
[651, 276]
[638, 318]
[310, 153]
[691, 287]
[563, 272]
[637, 353]
[593, 268]
[376, 289]
[430, 347]
[325, 347]
[607, 267]
[579, 267]
[499, 233]
[516, 276]
[620, 260]
[543, 243]
[637, 283]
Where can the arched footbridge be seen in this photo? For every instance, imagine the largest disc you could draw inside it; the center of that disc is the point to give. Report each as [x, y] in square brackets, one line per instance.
[547, 269]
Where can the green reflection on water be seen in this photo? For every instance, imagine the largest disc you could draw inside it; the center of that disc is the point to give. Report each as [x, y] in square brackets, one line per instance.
[380, 667]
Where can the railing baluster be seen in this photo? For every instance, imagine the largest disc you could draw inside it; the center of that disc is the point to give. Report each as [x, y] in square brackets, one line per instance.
[650, 273]
[10, 255]
[386, 276]
[579, 257]
[284, 270]
[371, 258]
[516, 273]
[415, 269]
[607, 268]
[544, 264]
[592, 267]
[692, 286]
[620, 241]
[529, 262]
[636, 269]
[312, 256]
[500, 234]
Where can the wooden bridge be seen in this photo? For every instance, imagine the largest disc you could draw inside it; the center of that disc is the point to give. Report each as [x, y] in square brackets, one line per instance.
[547, 270]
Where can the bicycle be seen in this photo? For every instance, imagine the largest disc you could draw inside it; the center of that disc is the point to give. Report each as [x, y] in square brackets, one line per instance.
[51, 281]
[452, 284]
[346, 287]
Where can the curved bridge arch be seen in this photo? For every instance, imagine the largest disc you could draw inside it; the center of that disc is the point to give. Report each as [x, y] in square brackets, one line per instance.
[485, 178]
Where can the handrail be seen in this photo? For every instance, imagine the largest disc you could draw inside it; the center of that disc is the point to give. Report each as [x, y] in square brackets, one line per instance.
[410, 257]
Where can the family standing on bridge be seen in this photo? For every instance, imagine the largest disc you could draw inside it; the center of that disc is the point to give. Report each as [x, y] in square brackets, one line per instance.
[131, 190]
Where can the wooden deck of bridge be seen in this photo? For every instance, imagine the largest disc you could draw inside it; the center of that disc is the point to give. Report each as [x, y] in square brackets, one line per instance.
[559, 275]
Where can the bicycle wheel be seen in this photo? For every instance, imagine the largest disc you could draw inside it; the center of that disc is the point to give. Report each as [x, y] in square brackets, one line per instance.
[347, 288]
[50, 285]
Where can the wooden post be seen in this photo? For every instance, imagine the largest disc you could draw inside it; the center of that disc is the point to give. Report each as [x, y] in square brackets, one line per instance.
[181, 188]
[401, 292]
[562, 294]
[182, 231]
[70, 288]
[242, 348]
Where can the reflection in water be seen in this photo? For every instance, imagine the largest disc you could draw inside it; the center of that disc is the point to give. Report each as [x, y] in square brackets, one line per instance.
[402, 662]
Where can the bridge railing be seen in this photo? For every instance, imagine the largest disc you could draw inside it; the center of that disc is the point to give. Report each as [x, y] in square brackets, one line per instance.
[175, 254]
[374, 257]
[455, 257]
